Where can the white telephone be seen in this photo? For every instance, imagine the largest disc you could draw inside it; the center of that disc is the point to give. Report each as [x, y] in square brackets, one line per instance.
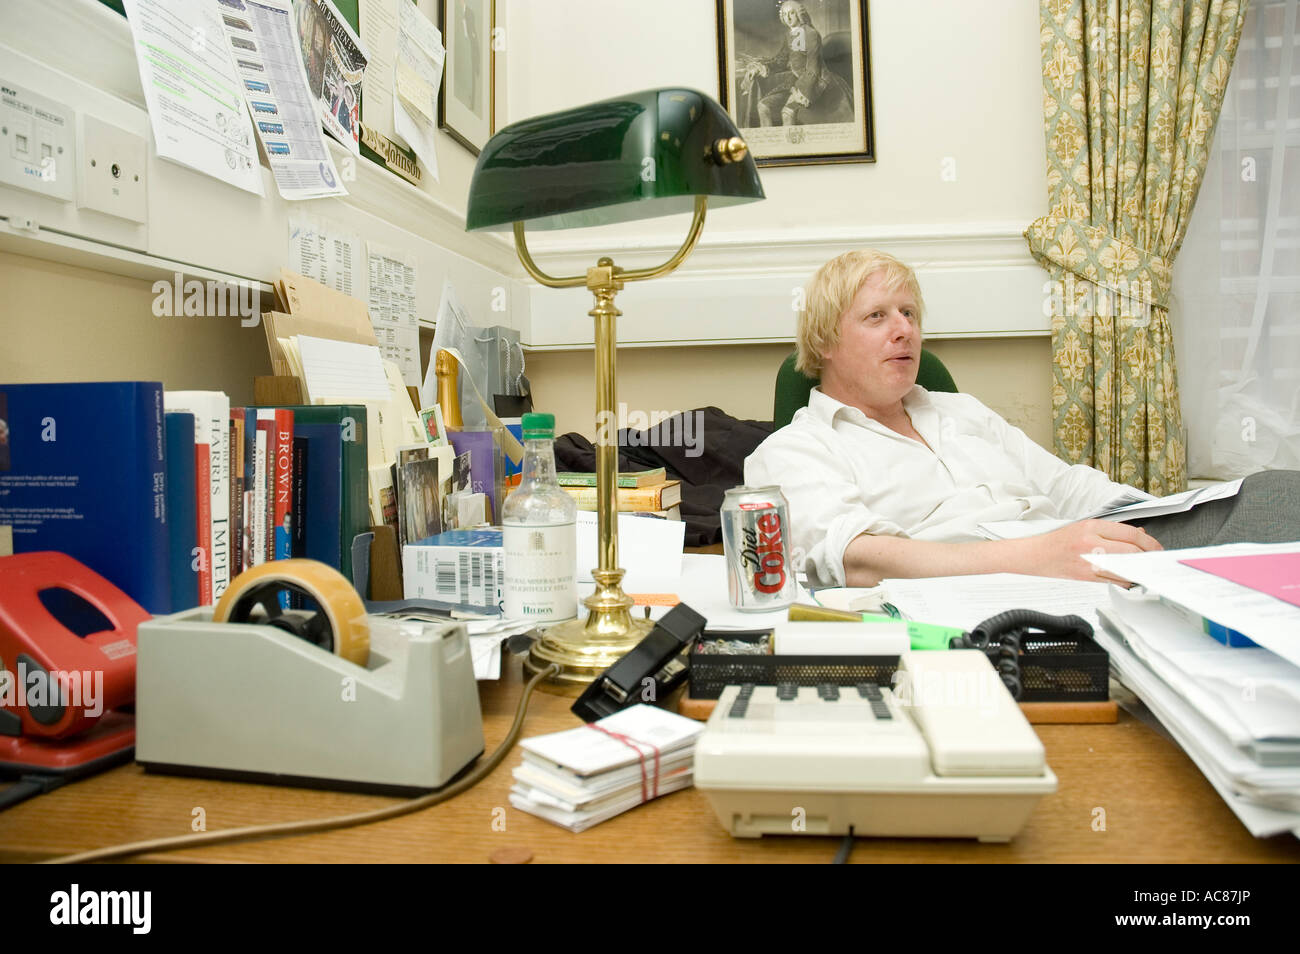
[945, 752]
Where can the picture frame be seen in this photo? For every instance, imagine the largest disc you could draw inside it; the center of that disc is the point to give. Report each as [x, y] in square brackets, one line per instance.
[796, 79]
[467, 97]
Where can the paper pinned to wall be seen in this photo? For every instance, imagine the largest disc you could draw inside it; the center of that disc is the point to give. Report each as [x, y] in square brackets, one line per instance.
[391, 299]
[416, 79]
[193, 92]
[335, 61]
[326, 252]
[264, 42]
[379, 33]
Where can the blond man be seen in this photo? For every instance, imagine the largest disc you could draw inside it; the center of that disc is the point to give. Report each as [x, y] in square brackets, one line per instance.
[886, 479]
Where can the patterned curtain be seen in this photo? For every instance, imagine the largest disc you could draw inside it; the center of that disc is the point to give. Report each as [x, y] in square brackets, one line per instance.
[1131, 94]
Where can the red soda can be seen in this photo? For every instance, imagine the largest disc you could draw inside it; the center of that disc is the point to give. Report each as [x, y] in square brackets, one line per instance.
[756, 538]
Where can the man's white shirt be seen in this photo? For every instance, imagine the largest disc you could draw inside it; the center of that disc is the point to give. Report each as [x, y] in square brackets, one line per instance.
[845, 474]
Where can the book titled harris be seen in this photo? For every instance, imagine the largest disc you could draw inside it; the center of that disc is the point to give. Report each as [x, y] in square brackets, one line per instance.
[82, 471]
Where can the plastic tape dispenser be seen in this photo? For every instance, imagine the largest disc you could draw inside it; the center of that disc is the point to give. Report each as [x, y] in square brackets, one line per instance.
[67, 664]
[324, 696]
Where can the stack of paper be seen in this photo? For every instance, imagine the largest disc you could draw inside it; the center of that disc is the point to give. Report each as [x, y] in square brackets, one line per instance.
[581, 777]
[1128, 506]
[1236, 711]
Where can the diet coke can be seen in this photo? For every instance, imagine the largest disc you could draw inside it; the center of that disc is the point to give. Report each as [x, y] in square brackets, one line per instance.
[756, 538]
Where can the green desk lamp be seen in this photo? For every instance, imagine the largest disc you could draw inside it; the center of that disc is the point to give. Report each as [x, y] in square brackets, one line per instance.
[653, 153]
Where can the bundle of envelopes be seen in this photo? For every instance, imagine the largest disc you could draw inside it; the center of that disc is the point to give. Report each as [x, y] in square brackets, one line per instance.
[584, 776]
[1209, 644]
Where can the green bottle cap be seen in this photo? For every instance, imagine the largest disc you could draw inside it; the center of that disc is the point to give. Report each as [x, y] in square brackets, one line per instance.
[538, 426]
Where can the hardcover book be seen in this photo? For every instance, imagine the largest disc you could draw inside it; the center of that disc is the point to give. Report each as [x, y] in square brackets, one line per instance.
[82, 471]
[182, 512]
[211, 410]
[662, 496]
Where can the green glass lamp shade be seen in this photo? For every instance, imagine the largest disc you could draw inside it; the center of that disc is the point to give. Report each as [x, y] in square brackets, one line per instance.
[633, 157]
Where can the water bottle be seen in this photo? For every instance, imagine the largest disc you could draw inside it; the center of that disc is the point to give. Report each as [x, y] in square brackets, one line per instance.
[539, 521]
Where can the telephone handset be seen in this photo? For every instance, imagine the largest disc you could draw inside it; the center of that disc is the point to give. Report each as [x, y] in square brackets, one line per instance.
[1002, 637]
[943, 752]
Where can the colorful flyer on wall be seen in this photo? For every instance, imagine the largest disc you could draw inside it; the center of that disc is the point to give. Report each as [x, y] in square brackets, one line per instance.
[264, 41]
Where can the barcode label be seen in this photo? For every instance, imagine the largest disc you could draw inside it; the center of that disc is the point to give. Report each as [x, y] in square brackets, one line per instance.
[445, 577]
[476, 578]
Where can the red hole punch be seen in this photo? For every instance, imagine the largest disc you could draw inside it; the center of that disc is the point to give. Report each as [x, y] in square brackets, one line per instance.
[60, 692]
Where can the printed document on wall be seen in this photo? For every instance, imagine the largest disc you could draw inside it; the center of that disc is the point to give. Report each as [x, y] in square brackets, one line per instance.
[194, 95]
[335, 62]
[417, 76]
[392, 308]
[264, 42]
[326, 252]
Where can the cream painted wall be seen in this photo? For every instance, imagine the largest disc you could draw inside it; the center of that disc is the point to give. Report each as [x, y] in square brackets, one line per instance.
[951, 80]
[739, 379]
[63, 323]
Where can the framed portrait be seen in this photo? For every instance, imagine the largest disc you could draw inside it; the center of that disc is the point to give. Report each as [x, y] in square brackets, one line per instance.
[796, 78]
[467, 99]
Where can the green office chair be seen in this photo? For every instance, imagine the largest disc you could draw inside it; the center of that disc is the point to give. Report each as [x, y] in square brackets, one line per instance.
[792, 387]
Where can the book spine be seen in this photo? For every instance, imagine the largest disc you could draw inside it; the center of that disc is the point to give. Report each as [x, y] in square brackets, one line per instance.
[284, 515]
[156, 591]
[589, 480]
[629, 498]
[236, 427]
[298, 547]
[219, 476]
[259, 494]
[250, 476]
[203, 510]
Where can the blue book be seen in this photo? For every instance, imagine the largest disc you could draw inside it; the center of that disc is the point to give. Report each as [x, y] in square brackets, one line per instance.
[83, 473]
[322, 522]
[182, 511]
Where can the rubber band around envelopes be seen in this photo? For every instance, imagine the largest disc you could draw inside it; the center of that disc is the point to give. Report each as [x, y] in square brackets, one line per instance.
[634, 744]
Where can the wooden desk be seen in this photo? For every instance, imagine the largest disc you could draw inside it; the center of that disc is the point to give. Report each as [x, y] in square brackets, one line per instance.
[1158, 808]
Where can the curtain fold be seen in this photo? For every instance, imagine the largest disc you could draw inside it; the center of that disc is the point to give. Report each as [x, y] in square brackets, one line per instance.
[1131, 93]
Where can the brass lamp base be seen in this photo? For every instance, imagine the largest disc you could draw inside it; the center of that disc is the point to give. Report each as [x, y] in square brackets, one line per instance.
[585, 648]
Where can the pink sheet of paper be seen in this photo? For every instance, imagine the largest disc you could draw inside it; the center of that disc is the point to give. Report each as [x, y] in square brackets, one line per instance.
[1277, 574]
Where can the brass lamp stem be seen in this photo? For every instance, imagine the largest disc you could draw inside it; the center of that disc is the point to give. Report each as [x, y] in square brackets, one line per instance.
[585, 649]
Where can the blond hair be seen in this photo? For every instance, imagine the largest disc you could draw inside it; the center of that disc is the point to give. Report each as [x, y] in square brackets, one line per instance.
[831, 291]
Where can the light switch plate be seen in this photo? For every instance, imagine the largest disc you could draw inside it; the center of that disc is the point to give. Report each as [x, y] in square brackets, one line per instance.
[112, 165]
[37, 143]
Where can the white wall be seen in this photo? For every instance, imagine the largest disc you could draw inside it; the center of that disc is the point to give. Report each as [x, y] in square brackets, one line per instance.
[950, 79]
[953, 81]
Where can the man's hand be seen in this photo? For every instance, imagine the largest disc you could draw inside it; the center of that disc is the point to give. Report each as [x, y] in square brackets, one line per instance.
[1060, 553]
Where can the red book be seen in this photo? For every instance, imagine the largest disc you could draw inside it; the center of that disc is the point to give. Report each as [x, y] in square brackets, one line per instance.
[283, 484]
[266, 439]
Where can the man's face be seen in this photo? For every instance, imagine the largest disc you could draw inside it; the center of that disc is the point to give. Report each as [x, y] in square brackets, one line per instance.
[879, 351]
[789, 16]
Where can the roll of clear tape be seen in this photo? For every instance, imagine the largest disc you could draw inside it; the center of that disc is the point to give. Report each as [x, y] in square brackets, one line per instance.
[326, 586]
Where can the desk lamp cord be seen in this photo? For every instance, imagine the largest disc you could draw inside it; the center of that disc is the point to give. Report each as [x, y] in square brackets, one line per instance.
[311, 826]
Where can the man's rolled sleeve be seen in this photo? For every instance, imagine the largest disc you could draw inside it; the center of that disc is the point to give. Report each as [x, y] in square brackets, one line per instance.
[826, 508]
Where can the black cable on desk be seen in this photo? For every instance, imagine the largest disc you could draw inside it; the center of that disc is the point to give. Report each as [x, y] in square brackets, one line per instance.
[846, 849]
[310, 826]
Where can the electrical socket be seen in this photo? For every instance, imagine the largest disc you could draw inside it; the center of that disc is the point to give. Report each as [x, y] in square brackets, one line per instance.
[112, 170]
